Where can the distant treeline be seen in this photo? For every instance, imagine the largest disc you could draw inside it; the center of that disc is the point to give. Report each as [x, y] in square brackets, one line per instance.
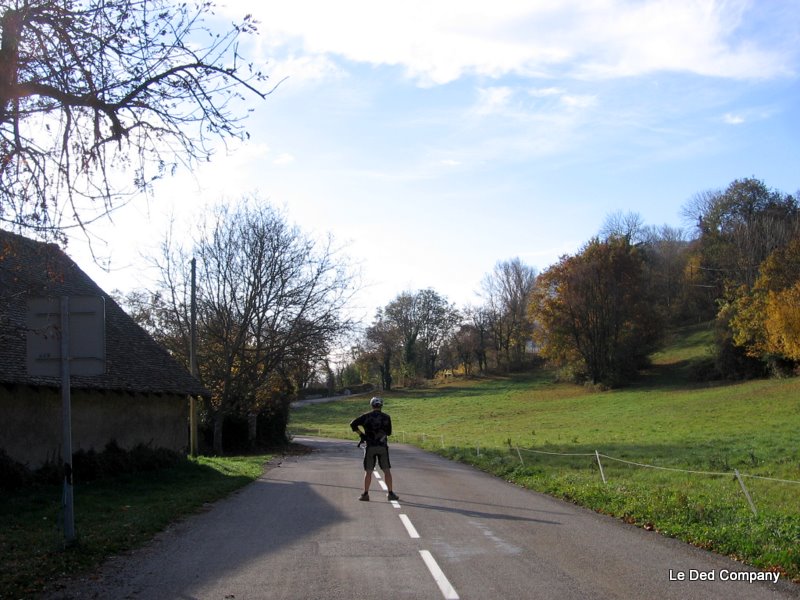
[272, 307]
[598, 314]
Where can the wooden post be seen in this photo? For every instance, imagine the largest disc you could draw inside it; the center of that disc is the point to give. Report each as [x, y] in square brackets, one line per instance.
[599, 464]
[746, 493]
[193, 425]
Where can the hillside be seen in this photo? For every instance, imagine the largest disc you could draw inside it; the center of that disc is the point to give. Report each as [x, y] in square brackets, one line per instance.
[521, 427]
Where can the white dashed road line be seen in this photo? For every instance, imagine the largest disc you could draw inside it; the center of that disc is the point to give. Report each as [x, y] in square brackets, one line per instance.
[381, 482]
[412, 532]
[383, 485]
[447, 590]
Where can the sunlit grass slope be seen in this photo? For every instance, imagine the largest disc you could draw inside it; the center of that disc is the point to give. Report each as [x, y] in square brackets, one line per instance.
[699, 434]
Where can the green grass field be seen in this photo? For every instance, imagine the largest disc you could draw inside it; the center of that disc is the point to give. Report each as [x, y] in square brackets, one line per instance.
[111, 517]
[664, 420]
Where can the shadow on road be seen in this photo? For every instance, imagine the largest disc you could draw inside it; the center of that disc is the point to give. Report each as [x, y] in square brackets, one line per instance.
[197, 554]
[467, 512]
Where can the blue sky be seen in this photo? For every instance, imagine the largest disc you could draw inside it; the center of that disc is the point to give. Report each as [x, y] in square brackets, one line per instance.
[434, 139]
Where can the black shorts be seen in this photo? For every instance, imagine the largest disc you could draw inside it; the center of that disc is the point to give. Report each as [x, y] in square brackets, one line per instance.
[379, 454]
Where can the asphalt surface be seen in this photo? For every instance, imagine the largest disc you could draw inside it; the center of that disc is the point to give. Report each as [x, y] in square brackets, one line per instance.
[325, 399]
[300, 533]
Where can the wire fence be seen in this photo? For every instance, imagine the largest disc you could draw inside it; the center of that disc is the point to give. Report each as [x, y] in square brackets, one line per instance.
[597, 457]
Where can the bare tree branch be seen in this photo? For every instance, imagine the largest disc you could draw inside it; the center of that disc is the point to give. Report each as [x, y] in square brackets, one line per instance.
[99, 98]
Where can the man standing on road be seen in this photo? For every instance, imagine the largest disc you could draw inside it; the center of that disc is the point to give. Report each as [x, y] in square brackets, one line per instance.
[377, 428]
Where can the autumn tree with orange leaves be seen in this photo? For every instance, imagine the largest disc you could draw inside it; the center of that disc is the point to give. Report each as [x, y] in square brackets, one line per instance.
[593, 314]
[765, 320]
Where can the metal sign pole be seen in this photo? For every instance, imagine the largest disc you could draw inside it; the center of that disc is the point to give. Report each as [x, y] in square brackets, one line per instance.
[55, 350]
[69, 509]
[193, 361]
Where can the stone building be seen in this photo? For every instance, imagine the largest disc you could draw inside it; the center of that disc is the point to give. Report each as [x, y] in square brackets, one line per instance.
[141, 397]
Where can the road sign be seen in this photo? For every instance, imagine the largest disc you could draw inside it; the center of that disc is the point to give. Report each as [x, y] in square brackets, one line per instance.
[87, 341]
[66, 336]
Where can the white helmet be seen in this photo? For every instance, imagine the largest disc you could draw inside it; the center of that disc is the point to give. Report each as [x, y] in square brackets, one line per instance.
[376, 402]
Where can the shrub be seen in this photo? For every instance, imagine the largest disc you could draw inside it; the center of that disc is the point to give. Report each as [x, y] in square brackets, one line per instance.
[145, 458]
[235, 433]
[272, 426]
[88, 465]
[13, 475]
[703, 370]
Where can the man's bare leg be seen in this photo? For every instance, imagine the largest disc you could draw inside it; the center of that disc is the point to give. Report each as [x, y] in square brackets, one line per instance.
[387, 475]
[367, 480]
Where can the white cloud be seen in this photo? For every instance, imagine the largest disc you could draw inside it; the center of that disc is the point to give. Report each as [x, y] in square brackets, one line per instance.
[732, 119]
[493, 100]
[574, 101]
[304, 69]
[545, 92]
[283, 159]
[697, 37]
[439, 42]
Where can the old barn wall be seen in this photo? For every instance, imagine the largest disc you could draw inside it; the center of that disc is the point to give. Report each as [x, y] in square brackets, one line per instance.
[30, 428]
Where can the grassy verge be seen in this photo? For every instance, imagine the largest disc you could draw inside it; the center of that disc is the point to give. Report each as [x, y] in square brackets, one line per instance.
[664, 421]
[111, 517]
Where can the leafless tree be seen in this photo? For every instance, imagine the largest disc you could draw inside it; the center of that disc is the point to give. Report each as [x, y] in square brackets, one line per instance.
[464, 347]
[380, 340]
[667, 251]
[478, 318]
[507, 291]
[629, 226]
[424, 320]
[99, 98]
[271, 303]
[739, 227]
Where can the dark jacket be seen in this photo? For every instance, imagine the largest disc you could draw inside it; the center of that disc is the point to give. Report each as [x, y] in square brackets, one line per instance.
[377, 427]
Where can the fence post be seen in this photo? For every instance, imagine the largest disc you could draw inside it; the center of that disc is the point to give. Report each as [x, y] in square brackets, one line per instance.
[746, 493]
[599, 464]
[522, 462]
[442, 441]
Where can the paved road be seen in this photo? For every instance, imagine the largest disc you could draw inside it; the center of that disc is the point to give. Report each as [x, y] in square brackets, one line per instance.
[323, 400]
[300, 533]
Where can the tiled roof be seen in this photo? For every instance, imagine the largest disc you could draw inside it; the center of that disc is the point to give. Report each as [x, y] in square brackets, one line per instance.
[134, 361]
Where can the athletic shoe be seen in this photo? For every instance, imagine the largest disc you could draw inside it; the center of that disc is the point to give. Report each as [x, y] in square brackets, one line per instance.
[392, 496]
[364, 497]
